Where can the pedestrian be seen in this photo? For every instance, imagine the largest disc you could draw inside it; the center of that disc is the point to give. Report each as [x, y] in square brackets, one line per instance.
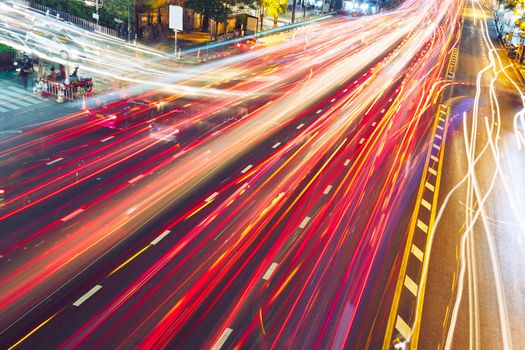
[52, 77]
[24, 75]
[61, 73]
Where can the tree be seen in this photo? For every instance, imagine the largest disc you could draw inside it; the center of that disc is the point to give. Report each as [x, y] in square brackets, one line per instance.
[274, 8]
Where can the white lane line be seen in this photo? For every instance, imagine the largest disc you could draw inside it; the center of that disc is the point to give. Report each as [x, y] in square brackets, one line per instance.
[374, 124]
[346, 162]
[319, 111]
[332, 100]
[418, 253]
[440, 127]
[72, 215]
[382, 111]
[87, 295]
[304, 222]
[136, 178]
[107, 138]
[411, 285]
[432, 171]
[426, 204]
[246, 169]
[300, 126]
[224, 336]
[54, 161]
[269, 272]
[160, 237]
[345, 90]
[402, 327]
[439, 136]
[328, 189]
[276, 145]
[211, 197]
[361, 141]
[434, 158]
[429, 186]
[422, 226]
[438, 147]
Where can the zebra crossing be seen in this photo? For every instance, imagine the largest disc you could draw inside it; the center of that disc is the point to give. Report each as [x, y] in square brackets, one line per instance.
[13, 98]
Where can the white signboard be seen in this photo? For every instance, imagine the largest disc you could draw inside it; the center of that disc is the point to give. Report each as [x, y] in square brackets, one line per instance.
[175, 17]
[95, 16]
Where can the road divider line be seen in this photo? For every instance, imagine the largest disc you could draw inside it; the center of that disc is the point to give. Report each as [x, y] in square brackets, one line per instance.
[276, 145]
[88, 295]
[426, 204]
[402, 327]
[107, 139]
[160, 237]
[328, 189]
[270, 271]
[304, 222]
[224, 336]
[411, 285]
[136, 178]
[211, 197]
[429, 186]
[374, 124]
[361, 141]
[434, 158]
[300, 126]
[54, 161]
[432, 171]
[72, 215]
[246, 169]
[319, 111]
[346, 162]
[422, 226]
[418, 253]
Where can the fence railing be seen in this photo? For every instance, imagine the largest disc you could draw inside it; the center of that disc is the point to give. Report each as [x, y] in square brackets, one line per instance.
[80, 22]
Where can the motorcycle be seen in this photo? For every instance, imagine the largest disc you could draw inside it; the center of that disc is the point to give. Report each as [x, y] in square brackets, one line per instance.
[74, 82]
[24, 62]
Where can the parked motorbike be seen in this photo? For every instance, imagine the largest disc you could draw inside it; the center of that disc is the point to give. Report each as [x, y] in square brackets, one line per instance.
[74, 81]
[513, 51]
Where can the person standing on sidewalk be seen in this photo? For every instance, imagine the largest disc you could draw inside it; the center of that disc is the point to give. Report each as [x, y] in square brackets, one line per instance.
[24, 75]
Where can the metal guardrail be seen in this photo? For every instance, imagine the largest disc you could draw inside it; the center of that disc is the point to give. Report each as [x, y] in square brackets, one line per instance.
[80, 22]
[62, 92]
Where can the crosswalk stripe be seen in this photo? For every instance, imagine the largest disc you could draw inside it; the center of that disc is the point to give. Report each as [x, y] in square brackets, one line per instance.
[18, 99]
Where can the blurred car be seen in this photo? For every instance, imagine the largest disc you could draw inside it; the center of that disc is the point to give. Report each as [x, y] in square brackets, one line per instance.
[249, 45]
[50, 43]
[123, 114]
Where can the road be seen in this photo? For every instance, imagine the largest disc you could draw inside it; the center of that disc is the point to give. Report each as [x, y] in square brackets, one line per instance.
[277, 217]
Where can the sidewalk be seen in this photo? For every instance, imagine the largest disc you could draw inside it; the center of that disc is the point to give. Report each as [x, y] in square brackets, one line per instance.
[501, 37]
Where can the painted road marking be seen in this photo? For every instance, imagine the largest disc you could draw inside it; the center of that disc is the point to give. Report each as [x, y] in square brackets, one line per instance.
[276, 145]
[438, 147]
[411, 285]
[224, 336]
[269, 272]
[246, 169]
[332, 100]
[136, 178]
[327, 190]
[346, 162]
[87, 295]
[432, 171]
[434, 158]
[54, 161]
[304, 222]
[440, 127]
[345, 90]
[438, 136]
[429, 186]
[374, 124]
[361, 141]
[402, 327]
[107, 138]
[72, 215]
[160, 237]
[319, 111]
[426, 204]
[422, 226]
[211, 197]
[300, 126]
[418, 253]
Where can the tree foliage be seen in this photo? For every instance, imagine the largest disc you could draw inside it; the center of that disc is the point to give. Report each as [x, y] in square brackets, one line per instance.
[274, 8]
